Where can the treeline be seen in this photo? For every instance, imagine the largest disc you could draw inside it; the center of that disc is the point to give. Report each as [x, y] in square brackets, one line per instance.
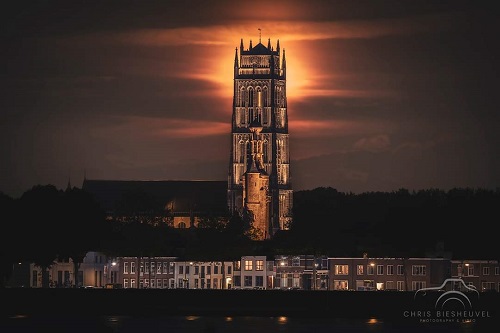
[45, 223]
[459, 222]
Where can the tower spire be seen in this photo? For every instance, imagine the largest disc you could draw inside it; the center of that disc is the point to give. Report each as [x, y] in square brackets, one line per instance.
[260, 35]
[284, 64]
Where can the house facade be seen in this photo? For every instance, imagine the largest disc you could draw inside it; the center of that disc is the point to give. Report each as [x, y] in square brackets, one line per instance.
[402, 274]
[483, 275]
[285, 272]
[91, 272]
[146, 272]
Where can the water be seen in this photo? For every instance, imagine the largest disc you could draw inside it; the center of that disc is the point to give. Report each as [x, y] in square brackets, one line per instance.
[205, 324]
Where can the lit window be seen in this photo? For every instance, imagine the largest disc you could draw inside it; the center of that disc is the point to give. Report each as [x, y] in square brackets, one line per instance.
[248, 265]
[341, 269]
[259, 265]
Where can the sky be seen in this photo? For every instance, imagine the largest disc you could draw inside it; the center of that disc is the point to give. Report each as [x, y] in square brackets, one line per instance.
[382, 95]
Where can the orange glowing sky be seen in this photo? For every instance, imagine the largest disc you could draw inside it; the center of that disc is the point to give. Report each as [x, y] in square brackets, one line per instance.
[382, 95]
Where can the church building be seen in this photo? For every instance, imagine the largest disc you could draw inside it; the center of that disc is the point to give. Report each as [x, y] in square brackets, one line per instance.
[259, 183]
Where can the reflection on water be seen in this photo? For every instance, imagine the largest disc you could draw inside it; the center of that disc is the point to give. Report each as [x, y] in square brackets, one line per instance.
[206, 324]
[373, 321]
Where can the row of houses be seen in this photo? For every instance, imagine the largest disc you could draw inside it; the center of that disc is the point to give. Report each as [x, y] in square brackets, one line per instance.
[303, 272]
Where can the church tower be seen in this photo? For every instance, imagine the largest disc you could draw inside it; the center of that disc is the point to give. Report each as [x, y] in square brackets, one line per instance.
[259, 167]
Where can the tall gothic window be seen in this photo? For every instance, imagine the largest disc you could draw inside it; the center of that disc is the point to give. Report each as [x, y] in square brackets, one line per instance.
[242, 152]
[242, 97]
[265, 156]
[250, 97]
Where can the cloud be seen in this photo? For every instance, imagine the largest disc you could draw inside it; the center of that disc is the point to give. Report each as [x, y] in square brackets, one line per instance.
[206, 53]
[373, 144]
[226, 34]
[157, 128]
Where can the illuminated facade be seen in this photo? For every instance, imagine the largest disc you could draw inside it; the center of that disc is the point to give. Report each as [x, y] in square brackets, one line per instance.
[259, 168]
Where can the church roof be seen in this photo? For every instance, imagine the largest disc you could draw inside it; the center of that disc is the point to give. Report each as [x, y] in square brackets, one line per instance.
[177, 196]
[259, 49]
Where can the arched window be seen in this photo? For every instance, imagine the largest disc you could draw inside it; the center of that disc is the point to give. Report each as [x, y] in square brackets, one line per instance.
[264, 97]
[259, 97]
[182, 225]
[242, 150]
[250, 97]
[242, 96]
[265, 156]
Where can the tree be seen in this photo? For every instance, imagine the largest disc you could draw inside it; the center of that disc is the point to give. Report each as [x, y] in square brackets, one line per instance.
[84, 223]
[218, 223]
[9, 238]
[40, 213]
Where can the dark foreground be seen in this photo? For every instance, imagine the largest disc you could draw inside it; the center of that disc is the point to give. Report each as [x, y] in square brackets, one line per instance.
[179, 307]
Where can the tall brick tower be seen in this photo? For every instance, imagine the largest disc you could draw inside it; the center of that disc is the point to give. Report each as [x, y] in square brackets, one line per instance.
[259, 163]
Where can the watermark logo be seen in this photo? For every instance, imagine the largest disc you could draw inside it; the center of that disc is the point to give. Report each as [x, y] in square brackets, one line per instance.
[452, 301]
[451, 294]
